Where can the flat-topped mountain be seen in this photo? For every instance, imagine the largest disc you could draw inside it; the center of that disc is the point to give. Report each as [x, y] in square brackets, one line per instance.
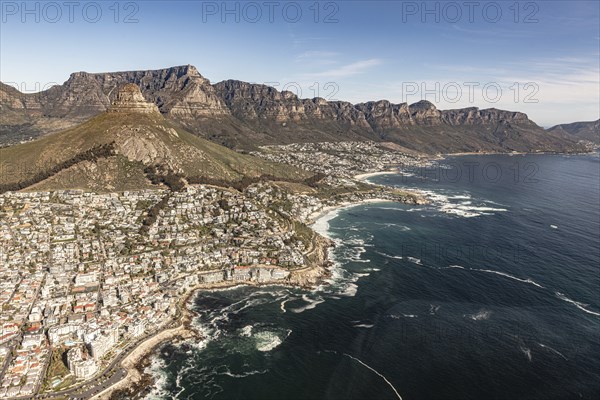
[243, 115]
[113, 151]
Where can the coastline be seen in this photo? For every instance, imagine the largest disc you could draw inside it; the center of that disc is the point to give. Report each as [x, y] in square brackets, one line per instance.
[317, 216]
[314, 218]
[133, 363]
[512, 153]
[307, 277]
[484, 153]
[137, 360]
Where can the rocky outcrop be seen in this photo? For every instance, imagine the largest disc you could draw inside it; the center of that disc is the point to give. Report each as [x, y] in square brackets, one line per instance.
[244, 115]
[475, 116]
[129, 99]
[318, 263]
[382, 114]
[283, 118]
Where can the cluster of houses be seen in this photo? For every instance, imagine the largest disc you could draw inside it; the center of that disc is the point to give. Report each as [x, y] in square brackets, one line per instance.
[27, 366]
[340, 161]
[78, 274]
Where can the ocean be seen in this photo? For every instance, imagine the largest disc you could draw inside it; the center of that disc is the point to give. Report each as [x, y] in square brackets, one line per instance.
[491, 291]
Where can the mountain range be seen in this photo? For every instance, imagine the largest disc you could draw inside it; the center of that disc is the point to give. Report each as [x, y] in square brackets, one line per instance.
[242, 115]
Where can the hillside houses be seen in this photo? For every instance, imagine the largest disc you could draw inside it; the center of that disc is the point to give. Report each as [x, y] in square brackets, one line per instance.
[340, 161]
[77, 272]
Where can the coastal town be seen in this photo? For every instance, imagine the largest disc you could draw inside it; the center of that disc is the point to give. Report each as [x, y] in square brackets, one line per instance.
[84, 276]
[299, 200]
[342, 161]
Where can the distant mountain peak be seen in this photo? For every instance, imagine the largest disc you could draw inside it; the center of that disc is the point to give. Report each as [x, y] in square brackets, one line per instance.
[423, 104]
[190, 69]
[130, 99]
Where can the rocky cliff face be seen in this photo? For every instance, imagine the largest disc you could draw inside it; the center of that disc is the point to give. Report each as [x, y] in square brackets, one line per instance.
[129, 99]
[243, 115]
[259, 102]
[283, 118]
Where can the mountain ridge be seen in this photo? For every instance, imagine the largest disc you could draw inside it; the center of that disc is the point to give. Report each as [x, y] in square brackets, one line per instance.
[582, 130]
[243, 115]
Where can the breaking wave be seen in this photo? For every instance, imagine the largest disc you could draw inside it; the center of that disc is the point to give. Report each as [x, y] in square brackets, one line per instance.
[414, 260]
[552, 350]
[267, 341]
[312, 303]
[479, 316]
[460, 205]
[157, 370]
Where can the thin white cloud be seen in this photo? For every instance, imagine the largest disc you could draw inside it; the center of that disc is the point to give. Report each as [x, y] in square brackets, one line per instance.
[316, 58]
[550, 91]
[496, 33]
[317, 54]
[467, 69]
[348, 70]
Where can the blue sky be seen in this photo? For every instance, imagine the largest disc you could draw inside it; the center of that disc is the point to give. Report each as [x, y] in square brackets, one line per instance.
[539, 57]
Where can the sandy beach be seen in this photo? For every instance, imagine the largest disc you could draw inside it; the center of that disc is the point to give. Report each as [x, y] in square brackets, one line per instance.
[316, 216]
[363, 177]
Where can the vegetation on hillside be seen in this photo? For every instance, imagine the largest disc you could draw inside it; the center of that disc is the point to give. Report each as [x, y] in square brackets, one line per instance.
[153, 213]
[93, 154]
[144, 141]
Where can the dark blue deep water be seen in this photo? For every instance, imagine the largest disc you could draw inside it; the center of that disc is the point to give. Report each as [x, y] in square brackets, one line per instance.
[490, 292]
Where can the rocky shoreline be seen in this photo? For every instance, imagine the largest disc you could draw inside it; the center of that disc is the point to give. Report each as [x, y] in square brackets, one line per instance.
[137, 381]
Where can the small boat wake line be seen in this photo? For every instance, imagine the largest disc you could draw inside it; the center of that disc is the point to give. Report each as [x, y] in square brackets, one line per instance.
[372, 369]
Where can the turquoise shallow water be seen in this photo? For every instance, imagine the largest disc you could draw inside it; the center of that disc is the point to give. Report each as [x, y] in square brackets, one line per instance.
[491, 291]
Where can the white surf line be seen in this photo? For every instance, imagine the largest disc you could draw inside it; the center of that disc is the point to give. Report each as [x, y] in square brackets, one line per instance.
[282, 305]
[490, 271]
[552, 350]
[389, 256]
[577, 304]
[383, 377]
[559, 295]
